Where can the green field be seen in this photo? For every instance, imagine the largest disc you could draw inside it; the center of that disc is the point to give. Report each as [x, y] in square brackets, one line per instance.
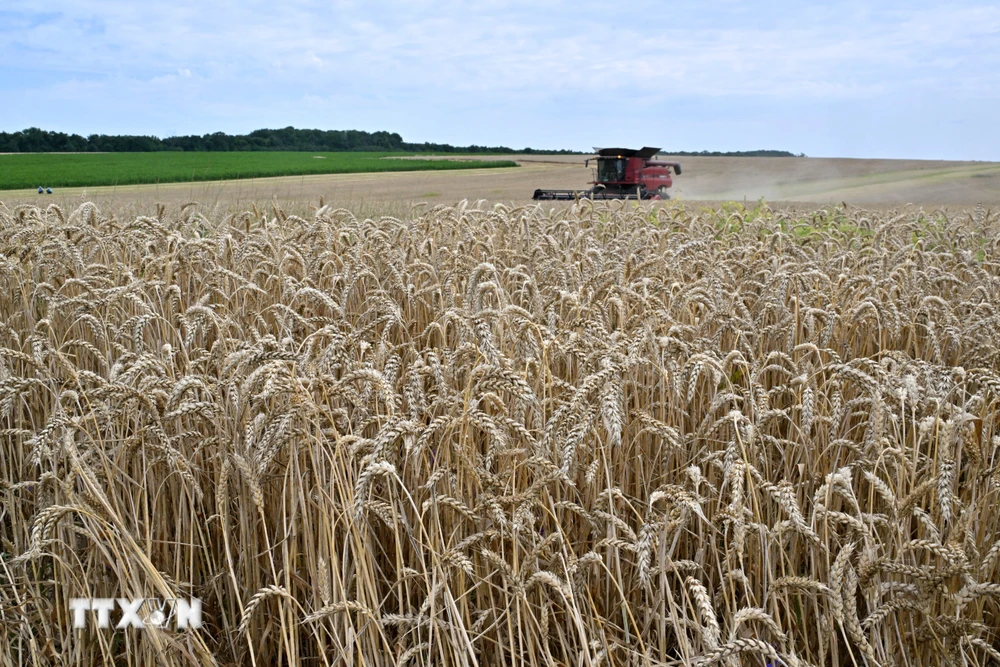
[30, 170]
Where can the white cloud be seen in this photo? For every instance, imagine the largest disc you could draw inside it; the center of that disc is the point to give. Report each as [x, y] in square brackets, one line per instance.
[239, 65]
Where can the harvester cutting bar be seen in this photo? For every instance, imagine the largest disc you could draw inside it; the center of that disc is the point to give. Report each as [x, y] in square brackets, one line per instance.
[569, 195]
[561, 194]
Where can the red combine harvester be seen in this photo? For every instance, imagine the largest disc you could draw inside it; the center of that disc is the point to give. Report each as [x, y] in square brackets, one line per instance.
[623, 173]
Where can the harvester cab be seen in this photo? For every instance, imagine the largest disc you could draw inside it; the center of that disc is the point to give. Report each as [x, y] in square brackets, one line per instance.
[623, 173]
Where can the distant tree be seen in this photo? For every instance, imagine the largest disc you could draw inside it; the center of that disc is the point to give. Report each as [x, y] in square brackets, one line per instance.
[35, 140]
[758, 153]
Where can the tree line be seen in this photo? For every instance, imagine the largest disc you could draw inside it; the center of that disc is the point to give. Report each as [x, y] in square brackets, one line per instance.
[759, 153]
[35, 140]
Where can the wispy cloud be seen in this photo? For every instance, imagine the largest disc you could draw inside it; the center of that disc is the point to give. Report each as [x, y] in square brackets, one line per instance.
[510, 72]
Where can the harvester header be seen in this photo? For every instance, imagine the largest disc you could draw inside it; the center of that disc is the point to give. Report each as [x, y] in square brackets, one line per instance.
[623, 173]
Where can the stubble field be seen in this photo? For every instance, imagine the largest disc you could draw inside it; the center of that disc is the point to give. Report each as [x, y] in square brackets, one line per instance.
[502, 435]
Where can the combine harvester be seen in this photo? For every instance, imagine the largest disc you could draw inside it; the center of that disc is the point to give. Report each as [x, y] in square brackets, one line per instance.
[623, 173]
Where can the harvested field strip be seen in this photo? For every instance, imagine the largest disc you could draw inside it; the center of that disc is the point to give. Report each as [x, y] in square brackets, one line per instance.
[845, 185]
[609, 434]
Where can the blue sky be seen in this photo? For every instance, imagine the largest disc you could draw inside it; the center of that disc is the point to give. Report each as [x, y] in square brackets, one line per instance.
[852, 79]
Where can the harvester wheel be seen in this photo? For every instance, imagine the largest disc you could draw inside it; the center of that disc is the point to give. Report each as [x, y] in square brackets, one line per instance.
[663, 192]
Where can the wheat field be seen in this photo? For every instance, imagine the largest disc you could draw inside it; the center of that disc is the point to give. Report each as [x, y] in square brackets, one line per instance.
[481, 434]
